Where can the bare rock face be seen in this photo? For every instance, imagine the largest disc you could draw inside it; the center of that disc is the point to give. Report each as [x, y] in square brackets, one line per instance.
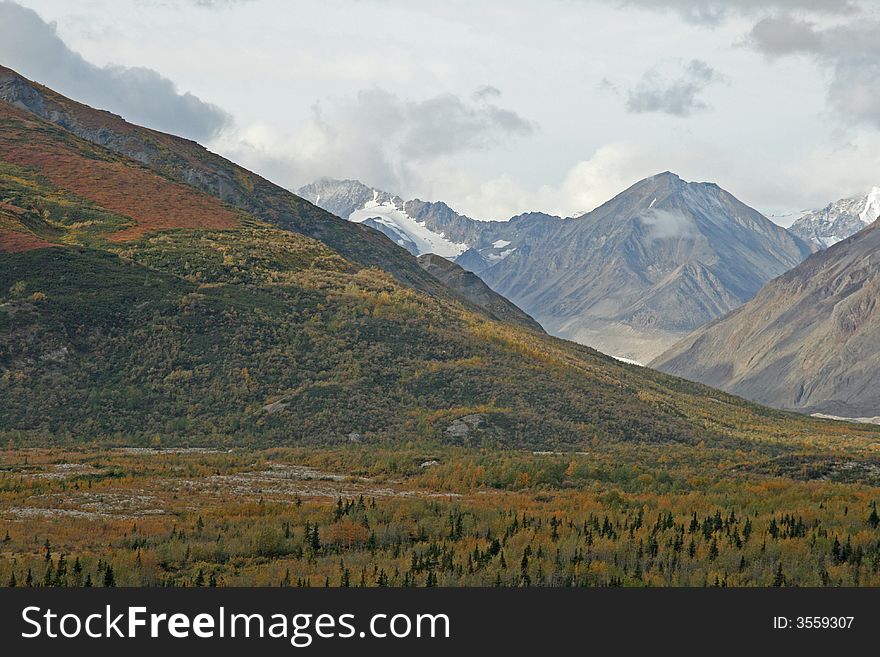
[464, 426]
[472, 429]
[341, 197]
[807, 342]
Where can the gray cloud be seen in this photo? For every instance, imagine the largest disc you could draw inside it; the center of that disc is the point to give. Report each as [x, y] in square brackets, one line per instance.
[851, 51]
[33, 48]
[218, 4]
[486, 91]
[713, 12]
[445, 124]
[678, 97]
[416, 130]
[380, 138]
[784, 35]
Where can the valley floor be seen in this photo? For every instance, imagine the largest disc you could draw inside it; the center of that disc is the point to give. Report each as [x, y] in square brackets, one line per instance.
[433, 515]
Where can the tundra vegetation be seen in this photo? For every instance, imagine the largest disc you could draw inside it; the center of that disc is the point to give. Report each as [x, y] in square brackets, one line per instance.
[424, 516]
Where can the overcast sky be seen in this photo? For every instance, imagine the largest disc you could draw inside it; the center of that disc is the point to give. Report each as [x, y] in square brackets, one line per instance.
[495, 107]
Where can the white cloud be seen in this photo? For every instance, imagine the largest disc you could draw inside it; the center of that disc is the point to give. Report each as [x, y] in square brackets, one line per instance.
[664, 224]
[586, 185]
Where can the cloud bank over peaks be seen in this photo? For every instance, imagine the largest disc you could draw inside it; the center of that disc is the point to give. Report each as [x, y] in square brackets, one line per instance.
[379, 137]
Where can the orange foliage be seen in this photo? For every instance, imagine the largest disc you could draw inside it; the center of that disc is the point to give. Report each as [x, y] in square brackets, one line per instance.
[346, 532]
[154, 202]
[15, 242]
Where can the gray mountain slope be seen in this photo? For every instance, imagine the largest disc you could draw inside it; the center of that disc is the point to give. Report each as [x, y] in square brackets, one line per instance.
[472, 288]
[808, 341]
[643, 270]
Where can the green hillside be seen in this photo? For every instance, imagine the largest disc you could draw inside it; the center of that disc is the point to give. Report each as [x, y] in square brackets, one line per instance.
[260, 336]
[135, 307]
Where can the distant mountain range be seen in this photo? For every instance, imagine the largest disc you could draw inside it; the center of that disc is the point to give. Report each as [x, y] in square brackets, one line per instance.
[647, 267]
[156, 288]
[629, 278]
[839, 220]
[808, 341]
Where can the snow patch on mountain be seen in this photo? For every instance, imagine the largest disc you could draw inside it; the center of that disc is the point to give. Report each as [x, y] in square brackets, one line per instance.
[410, 233]
[498, 257]
[871, 211]
[423, 227]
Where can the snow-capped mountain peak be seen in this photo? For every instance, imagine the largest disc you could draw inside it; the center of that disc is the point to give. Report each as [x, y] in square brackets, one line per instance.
[390, 216]
[424, 227]
[839, 220]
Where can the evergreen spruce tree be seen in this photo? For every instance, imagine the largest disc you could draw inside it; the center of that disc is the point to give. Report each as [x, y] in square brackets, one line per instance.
[49, 576]
[779, 579]
[109, 577]
[713, 550]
